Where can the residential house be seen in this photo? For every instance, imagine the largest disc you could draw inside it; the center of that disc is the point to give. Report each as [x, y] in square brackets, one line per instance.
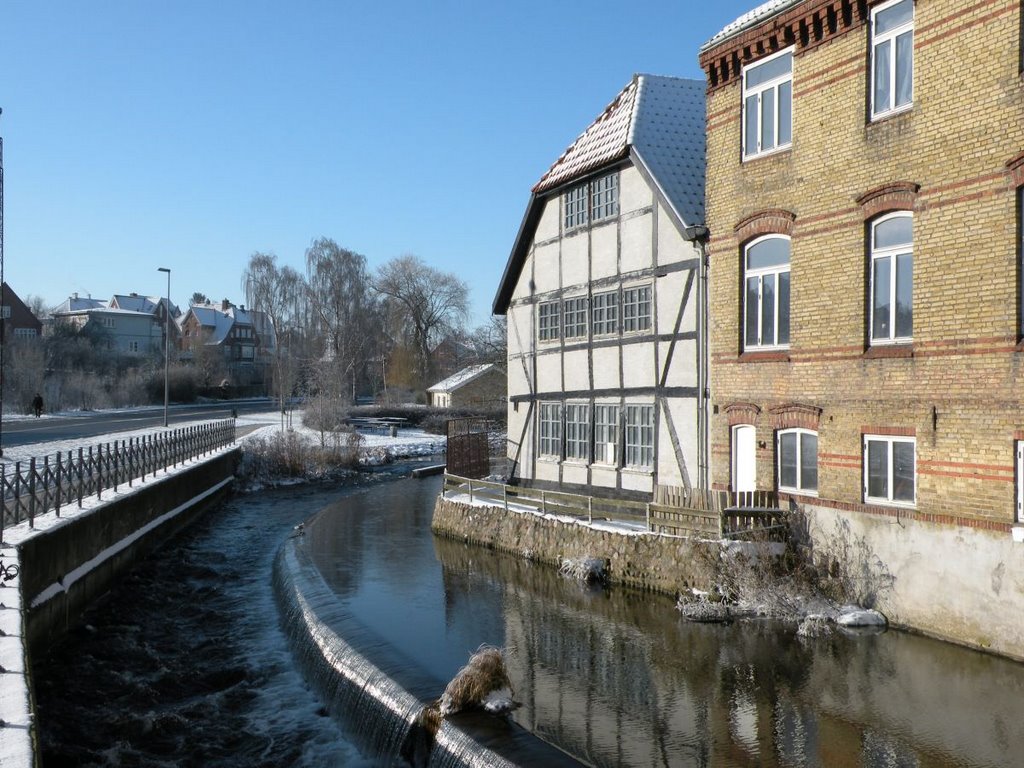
[866, 276]
[16, 320]
[604, 294]
[244, 339]
[476, 386]
[157, 307]
[122, 330]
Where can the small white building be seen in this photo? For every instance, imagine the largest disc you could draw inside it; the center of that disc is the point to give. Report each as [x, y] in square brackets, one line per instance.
[605, 293]
[474, 386]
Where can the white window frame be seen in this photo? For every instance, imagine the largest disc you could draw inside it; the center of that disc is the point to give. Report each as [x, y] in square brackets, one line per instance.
[604, 313]
[606, 434]
[774, 85]
[1019, 450]
[25, 333]
[638, 431]
[549, 431]
[888, 39]
[604, 197]
[577, 207]
[107, 322]
[892, 253]
[760, 274]
[133, 346]
[889, 498]
[574, 317]
[637, 308]
[797, 487]
[549, 319]
[577, 432]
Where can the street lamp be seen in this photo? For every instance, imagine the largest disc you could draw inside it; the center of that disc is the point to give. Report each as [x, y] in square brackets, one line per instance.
[167, 341]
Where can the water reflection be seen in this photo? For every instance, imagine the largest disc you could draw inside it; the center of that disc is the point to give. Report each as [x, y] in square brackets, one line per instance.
[617, 678]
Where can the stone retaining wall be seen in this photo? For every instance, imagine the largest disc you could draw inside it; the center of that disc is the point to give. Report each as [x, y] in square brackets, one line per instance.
[655, 562]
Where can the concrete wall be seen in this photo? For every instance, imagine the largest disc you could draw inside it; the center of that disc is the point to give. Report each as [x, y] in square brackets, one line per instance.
[647, 561]
[65, 568]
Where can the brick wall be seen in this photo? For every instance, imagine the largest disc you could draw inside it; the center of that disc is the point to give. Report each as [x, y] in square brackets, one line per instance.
[950, 159]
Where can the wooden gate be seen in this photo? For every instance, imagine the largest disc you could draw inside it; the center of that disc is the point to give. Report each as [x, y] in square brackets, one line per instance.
[468, 451]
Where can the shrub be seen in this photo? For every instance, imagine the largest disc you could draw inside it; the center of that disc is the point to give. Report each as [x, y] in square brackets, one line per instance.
[289, 455]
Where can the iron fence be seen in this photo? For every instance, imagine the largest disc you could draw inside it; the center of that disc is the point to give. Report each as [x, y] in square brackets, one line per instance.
[38, 485]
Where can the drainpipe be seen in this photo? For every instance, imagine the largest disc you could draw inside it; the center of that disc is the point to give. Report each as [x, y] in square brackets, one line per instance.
[699, 235]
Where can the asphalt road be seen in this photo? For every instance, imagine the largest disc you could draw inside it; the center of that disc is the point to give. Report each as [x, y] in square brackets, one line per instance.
[87, 424]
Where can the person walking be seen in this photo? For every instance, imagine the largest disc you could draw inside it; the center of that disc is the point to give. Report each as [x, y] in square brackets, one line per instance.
[37, 405]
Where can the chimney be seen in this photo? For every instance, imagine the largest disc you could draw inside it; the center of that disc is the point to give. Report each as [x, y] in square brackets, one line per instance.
[224, 304]
[74, 295]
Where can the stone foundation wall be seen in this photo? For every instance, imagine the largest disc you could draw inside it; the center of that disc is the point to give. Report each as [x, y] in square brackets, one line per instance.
[654, 562]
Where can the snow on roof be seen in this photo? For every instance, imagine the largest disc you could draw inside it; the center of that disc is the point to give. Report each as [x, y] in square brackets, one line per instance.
[216, 319]
[461, 379]
[750, 19]
[74, 304]
[662, 118]
[135, 302]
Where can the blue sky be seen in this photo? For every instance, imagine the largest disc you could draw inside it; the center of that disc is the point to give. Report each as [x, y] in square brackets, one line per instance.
[190, 134]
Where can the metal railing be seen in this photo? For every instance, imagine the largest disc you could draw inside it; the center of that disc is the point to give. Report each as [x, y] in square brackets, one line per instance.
[719, 514]
[38, 485]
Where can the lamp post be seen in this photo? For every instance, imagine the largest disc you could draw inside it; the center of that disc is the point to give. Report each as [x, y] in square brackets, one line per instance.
[167, 341]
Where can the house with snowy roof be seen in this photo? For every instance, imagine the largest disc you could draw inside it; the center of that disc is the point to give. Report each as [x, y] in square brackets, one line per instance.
[604, 291]
[473, 386]
[154, 306]
[244, 338]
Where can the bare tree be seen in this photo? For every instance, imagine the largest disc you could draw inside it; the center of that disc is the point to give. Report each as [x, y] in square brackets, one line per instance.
[344, 312]
[490, 341]
[427, 302]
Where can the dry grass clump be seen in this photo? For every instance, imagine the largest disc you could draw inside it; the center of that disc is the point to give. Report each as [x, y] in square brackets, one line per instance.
[473, 686]
[586, 569]
[282, 455]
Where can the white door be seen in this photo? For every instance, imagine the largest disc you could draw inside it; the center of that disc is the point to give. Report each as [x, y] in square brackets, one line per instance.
[1020, 482]
[744, 458]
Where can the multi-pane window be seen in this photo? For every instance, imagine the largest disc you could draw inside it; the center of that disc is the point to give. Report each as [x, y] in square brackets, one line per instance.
[766, 276]
[576, 206]
[639, 429]
[605, 197]
[548, 320]
[550, 418]
[133, 346]
[892, 57]
[24, 333]
[892, 279]
[606, 434]
[577, 432]
[1020, 262]
[798, 460]
[574, 317]
[768, 104]
[107, 322]
[604, 311]
[592, 201]
[636, 308]
[889, 469]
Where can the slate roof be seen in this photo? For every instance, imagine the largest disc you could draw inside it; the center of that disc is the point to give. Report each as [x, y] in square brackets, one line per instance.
[657, 122]
[462, 378]
[74, 304]
[750, 19]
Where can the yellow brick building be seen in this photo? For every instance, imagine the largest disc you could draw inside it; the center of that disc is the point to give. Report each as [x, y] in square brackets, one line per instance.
[865, 163]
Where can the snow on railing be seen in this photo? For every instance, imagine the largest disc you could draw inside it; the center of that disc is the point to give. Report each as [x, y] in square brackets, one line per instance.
[38, 485]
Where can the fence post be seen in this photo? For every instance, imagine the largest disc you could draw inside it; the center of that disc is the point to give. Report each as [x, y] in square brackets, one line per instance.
[81, 464]
[60, 481]
[3, 499]
[504, 495]
[17, 492]
[470, 490]
[543, 503]
[116, 464]
[647, 510]
[590, 509]
[32, 492]
[97, 477]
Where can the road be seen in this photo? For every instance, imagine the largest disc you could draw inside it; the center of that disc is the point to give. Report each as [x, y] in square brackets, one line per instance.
[87, 424]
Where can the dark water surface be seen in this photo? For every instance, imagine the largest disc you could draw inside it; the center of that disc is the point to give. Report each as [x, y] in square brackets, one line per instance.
[186, 664]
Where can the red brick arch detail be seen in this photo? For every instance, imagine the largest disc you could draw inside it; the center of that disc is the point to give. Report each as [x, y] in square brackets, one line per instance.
[741, 413]
[897, 196]
[775, 221]
[796, 415]
[1015, 169]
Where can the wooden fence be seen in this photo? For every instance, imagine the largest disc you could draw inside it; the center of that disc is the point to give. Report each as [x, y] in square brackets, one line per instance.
[718, 514]
[30, 488]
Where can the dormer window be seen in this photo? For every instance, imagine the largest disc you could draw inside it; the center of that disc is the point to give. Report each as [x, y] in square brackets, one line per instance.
[592, 201]
[768, 105]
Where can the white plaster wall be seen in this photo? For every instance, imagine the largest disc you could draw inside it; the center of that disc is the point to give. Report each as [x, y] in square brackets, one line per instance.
[670, 292]
[545, 267]
[550, 220]
[633, 480]
[682, 371]
[547, 470]
[520, 328]
[574, 474]
[638, 365]
[576, 370]
[522, 289]
[575, 250]
[606, 368]
[957, 583]
[604, 252]
[602, 477]
[636, 243]
[684, 417]
[634, 193]
[549, 370]
[672, 247]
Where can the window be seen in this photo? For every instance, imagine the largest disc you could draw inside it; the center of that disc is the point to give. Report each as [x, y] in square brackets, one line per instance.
[798, 461]
[606, 434]
[889, 469]
[892, 279]
[636, 309]
[766, 274]
[768, 105]
[550, 429]
[639, 436]
[24, 333]
[1019, 517]
[605, 313]
[133, 346]
[547, 320]
[605, 198]
[575, 317]
[107, 322]
[892, 57]
[1020, 258]
[577, 432]
[592, 201]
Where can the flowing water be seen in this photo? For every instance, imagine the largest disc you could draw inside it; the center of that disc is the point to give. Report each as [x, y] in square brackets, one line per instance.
[187, 662]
